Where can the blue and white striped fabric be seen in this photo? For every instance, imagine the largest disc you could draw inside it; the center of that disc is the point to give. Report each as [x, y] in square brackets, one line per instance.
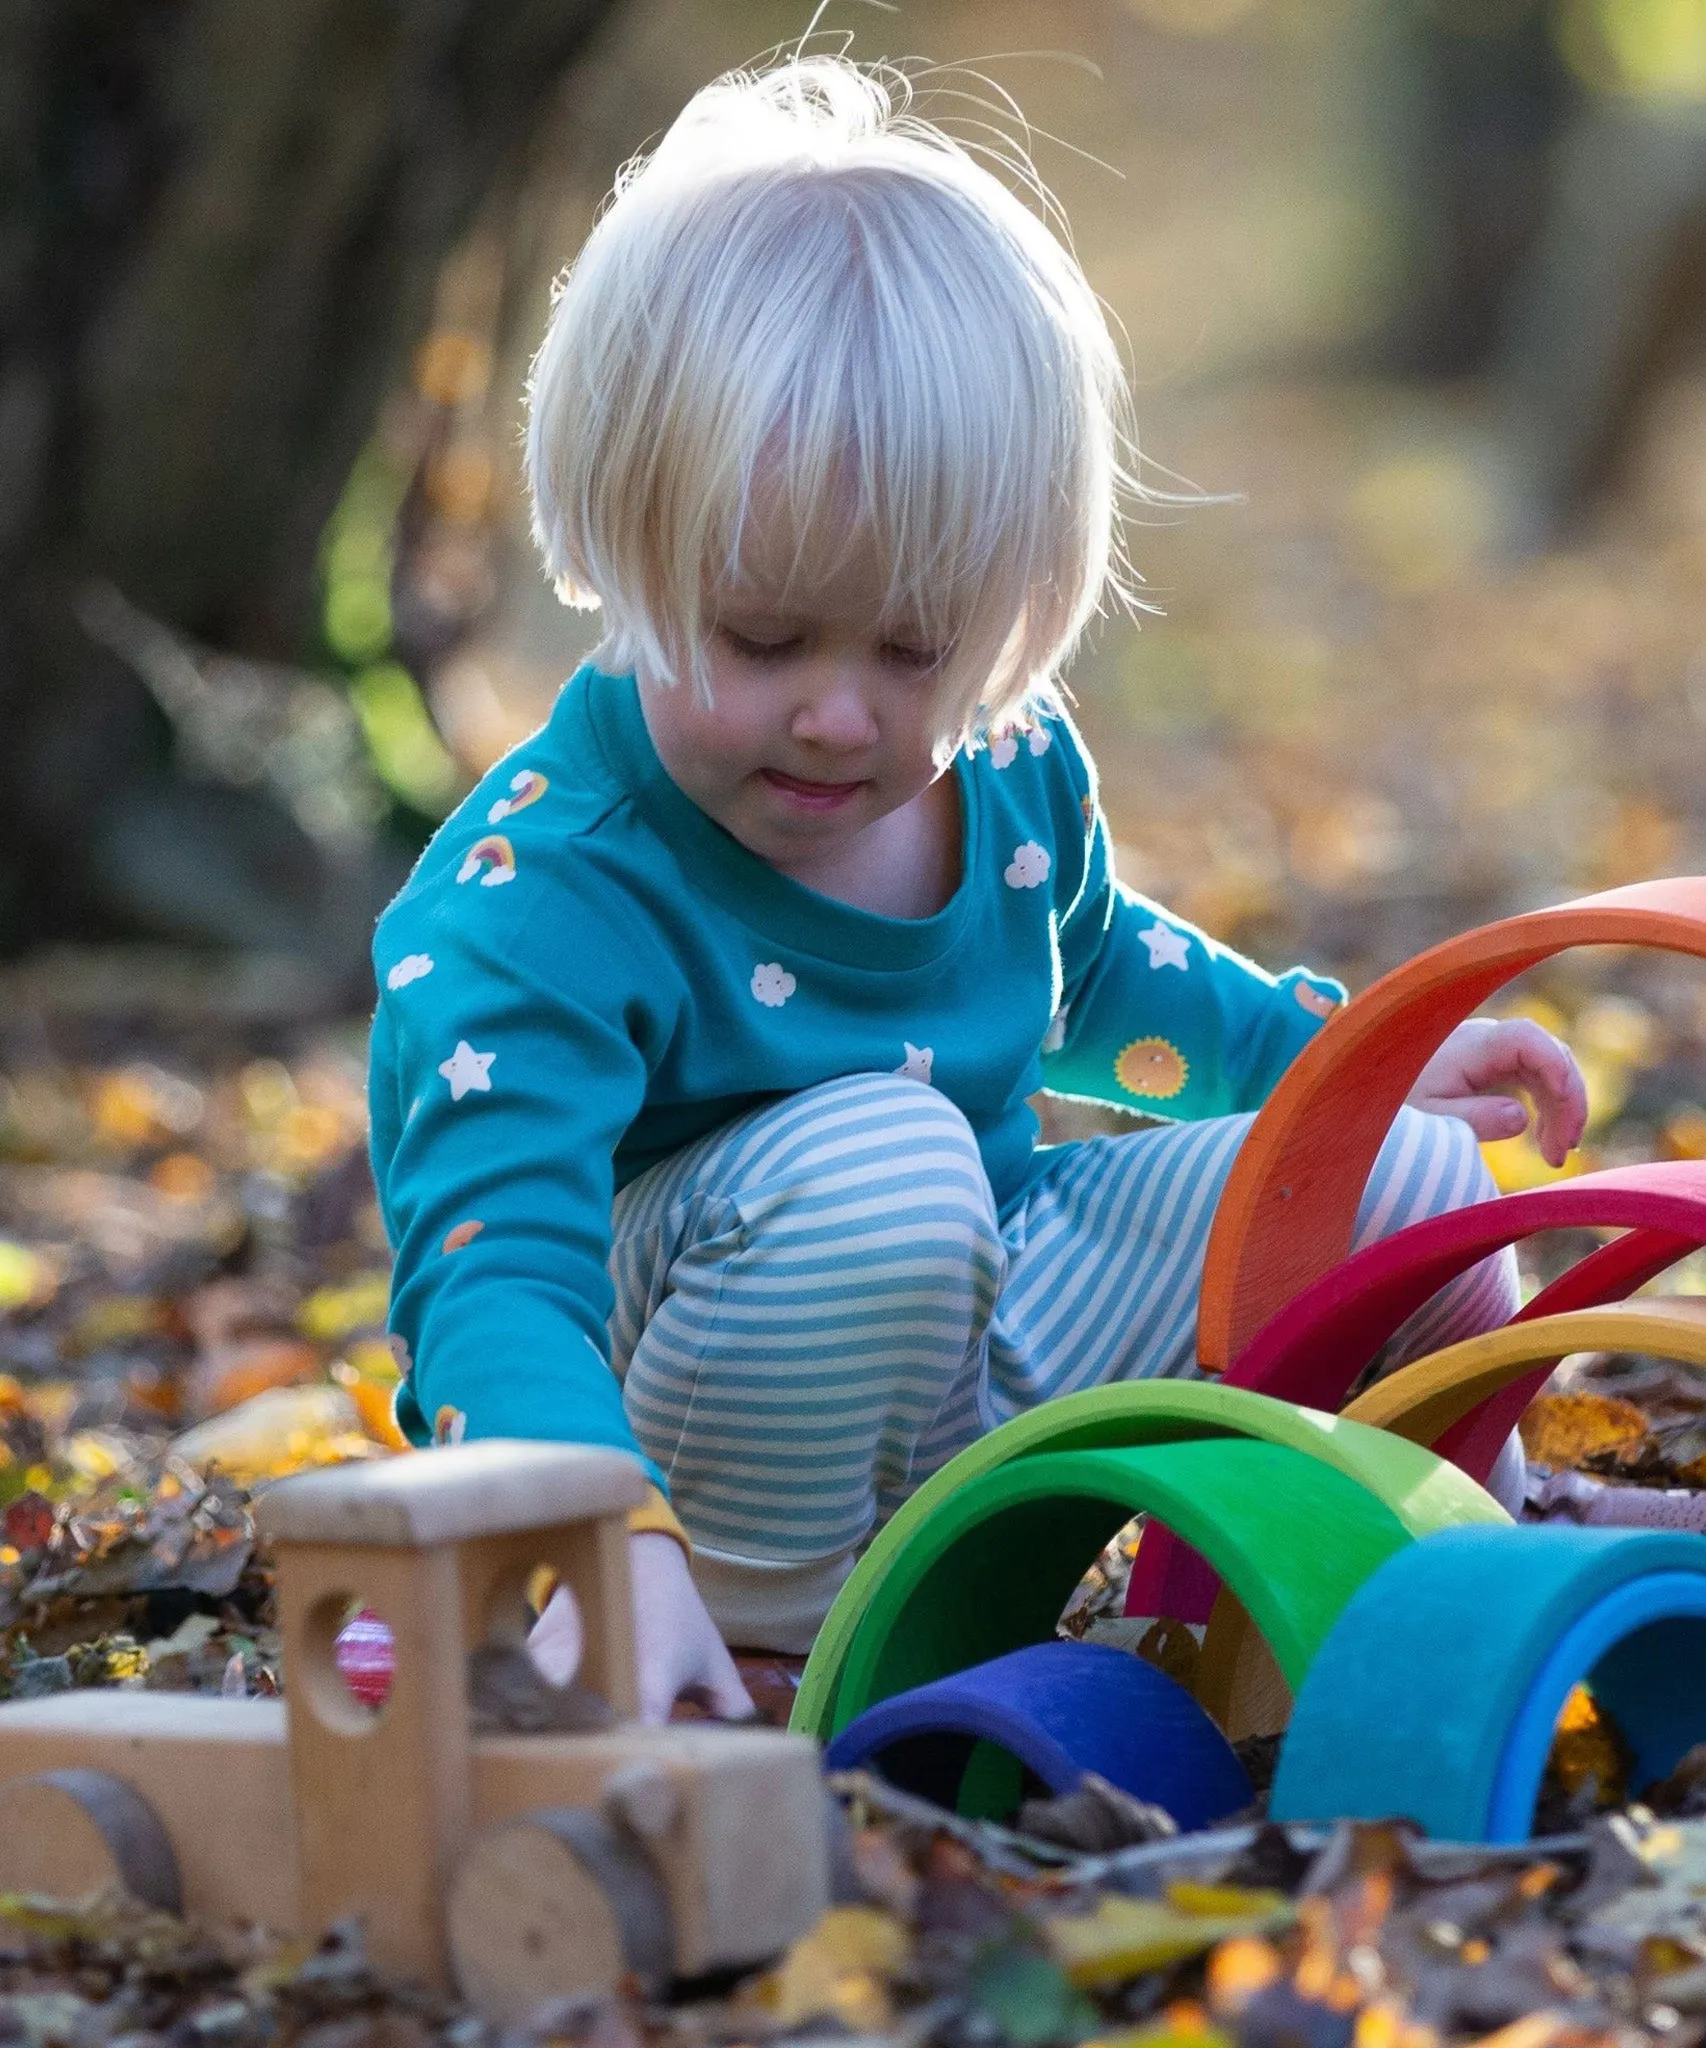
[817, 1306]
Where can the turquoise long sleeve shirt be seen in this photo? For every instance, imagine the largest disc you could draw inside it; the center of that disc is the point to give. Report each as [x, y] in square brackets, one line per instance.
[585, 973]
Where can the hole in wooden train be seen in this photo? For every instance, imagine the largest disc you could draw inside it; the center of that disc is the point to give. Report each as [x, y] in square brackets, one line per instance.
[351, 1662]
[530, 1608]
[556, 1640]
[536, 1638]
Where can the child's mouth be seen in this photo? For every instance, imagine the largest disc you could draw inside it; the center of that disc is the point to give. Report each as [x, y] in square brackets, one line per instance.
[811, 796]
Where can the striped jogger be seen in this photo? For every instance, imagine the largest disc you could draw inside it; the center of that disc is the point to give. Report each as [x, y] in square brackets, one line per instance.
[817, 1306]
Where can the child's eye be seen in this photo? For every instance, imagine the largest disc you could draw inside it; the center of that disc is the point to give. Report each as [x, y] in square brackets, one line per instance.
[759, 650]
[919, 659]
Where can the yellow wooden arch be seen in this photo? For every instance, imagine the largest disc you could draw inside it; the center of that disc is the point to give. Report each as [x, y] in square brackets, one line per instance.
[1422, 1400]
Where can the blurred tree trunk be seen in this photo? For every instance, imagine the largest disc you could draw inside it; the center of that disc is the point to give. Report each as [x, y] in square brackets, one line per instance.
[221, 222]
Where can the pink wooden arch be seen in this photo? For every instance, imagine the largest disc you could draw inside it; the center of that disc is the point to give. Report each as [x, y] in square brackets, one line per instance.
[1314, 1350]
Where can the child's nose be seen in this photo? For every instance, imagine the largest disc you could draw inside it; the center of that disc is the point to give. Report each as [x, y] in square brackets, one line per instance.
[835, 715]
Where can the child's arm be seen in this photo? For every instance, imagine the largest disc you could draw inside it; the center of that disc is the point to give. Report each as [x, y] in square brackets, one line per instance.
[500, 1088]
[501, 1081]
[1155, 1015]
[1158, 1016]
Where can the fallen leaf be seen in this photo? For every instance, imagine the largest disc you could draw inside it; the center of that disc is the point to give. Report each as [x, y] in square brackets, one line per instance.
[29, 1522]
[1238, 1969]
[189, 1635]
[185, 1176]
[1588, 1750]
[1564, 1429]
[25, 1279]
[1122, 1937]
[837, 1970]
[286, 1430]
[1095, 1818]
[225, 1378]
[1662, 1891]
[333, 1313]
[368, 1374]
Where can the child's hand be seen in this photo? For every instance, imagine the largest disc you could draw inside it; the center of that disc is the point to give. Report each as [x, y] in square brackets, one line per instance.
[1473, 1073]
[675, 1640]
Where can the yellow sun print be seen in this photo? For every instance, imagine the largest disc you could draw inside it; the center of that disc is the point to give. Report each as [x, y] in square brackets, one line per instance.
[1152, 1068]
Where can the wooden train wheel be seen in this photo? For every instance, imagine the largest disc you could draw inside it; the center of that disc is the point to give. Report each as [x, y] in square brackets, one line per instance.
[560, 1902]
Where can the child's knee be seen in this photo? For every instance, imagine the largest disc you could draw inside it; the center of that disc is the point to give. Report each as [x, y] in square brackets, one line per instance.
[883, 1154]
[1428, 1166]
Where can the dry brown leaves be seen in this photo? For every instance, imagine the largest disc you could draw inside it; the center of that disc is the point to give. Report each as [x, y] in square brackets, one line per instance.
[193, 1289]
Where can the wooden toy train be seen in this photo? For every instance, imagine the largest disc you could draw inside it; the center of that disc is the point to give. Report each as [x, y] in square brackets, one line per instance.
[523, 1866]
[1347, 1579]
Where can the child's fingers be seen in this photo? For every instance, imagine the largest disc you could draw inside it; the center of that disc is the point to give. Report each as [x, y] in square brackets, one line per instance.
[1488, 1116]
[557, 1639]
[729, 1697]
[1520, 1053]
[1548, 1071]
[712, 1691]
[1561, 1121]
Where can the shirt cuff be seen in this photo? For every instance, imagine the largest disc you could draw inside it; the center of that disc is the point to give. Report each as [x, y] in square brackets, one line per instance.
[655, 1517]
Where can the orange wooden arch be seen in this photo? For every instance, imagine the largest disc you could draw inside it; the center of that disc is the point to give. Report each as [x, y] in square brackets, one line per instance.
[1289, 1206]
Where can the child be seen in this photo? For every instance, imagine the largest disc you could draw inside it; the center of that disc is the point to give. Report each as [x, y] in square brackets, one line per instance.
[707, 1023]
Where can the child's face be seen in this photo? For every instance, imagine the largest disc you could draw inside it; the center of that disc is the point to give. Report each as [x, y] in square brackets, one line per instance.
[824, 717]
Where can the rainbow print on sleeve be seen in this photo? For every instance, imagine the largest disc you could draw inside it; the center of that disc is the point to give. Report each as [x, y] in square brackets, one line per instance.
[491, 858]
[526, 788]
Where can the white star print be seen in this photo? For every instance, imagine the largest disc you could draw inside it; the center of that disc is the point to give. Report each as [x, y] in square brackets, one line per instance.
[916, 1066]
[1167, 948]
[467, 1069]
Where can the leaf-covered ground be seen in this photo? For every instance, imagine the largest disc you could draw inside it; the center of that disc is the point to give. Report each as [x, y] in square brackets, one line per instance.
[193, 1285]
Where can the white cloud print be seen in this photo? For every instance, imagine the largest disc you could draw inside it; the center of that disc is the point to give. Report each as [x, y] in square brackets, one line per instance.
[772, 984]
[1028, 867]
[411, 968]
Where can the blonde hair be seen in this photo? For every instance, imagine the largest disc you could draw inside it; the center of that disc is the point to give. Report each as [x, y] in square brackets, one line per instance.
[809, 290]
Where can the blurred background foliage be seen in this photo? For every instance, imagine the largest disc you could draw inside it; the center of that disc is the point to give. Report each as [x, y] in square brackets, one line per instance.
[1414, 297]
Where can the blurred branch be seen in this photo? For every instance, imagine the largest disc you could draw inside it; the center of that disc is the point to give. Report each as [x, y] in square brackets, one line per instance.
[245, 722]
[222, 226]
